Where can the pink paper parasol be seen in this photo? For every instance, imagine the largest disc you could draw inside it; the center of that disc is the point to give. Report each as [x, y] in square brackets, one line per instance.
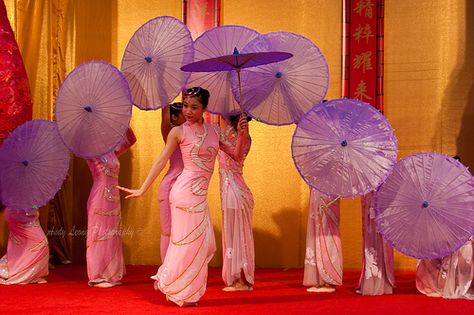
[280, 93]
[152, 60]
[344, 148]
[93, 109]
[425, 208]
[33, 165]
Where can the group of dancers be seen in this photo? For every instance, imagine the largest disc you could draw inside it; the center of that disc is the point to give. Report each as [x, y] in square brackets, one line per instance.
[187, 241]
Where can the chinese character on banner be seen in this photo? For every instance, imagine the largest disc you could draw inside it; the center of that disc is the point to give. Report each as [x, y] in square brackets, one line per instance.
[364, 7]
[200, 16]
[364, 32]
[363, 51]
[363, 61]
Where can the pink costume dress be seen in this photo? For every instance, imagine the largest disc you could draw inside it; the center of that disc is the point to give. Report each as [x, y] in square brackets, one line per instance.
[183, 274]
[450, 277]
[26, 260]
[176, 167]
[323, 259]
[237, 206]
[104, 244]
[377, 276]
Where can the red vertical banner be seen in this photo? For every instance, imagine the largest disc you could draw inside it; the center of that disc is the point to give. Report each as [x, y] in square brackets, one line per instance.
[200, 16]
[15, 97]
[363, 51]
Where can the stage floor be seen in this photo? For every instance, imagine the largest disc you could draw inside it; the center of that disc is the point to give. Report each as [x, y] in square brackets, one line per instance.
[277, 291]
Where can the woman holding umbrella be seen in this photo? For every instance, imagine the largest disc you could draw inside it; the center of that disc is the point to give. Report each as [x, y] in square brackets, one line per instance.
[26, 260]
[451, 276]
[378, 271]
[323, 258]
[237, 204]
[172, 116]
[105, 264]
[183, 274]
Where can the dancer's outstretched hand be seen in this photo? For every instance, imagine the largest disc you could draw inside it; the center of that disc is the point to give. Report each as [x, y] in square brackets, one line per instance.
[132, 193]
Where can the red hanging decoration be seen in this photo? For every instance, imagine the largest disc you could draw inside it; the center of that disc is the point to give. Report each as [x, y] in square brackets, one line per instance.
[200, 16]
[15, 97]
[363, 51]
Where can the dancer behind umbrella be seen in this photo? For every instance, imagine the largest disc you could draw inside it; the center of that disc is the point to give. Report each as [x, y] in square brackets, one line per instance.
[237, 205]
[183, 275]
[377, 276]
[171, 116]
[323, 259]
[105, 265]
[450, 277]
[26, 259]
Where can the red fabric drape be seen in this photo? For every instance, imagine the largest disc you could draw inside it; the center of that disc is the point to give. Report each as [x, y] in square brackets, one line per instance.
[15, 97]
[200, 16]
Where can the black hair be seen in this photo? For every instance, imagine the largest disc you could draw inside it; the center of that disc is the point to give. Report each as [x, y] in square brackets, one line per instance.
[235, 118]
[176, 108]
[199, 92]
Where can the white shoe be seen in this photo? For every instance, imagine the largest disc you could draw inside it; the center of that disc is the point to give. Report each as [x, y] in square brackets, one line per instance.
[322, 289]
[433, 294]
[104, 285]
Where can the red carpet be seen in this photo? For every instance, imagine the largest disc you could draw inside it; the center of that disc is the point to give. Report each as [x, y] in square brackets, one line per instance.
[277, 292]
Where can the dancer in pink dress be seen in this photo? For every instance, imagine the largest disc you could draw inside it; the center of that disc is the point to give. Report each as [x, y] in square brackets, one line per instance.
[323, 259]
[172, 116]
[105, 264]
[450, 277]
[183, 274]
[377, 275]
[237, 205]
[26, 260]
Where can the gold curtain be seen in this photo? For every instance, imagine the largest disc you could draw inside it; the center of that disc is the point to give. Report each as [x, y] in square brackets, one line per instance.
[429, 99]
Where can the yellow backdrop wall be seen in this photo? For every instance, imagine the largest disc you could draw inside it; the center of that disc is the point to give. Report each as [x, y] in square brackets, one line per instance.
[429, 99]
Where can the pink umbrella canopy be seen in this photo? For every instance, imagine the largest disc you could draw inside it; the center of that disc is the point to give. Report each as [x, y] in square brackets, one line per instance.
[33, 165]
[217, 42]
[425, 208]
[93, 109]
[152, 60]
[344, 148]
[280, 93]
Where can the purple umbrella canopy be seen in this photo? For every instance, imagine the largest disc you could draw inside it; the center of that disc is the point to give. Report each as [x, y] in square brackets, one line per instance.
[217, 42]
[344, 148]
[229, 62]
[33, 165]
[280, 93]
[425, 208]
[152, 60]
[93, 109]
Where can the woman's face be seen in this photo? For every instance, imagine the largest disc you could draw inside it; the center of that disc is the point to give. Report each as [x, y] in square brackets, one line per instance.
[192, 109]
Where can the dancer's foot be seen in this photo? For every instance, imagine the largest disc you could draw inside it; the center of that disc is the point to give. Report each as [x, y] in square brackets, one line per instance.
[39, 281]
[106, 284]
[321, 289]
[237, 286]
[189, 304]
[433, 294]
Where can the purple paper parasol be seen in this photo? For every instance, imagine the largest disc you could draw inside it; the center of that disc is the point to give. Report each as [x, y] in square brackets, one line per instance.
[93, 109]
[236, 61]
[344, 148]
[280, 93]
[33, 165]
[152, 60]
[425, 208]
[230, 62]
[217, 42]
